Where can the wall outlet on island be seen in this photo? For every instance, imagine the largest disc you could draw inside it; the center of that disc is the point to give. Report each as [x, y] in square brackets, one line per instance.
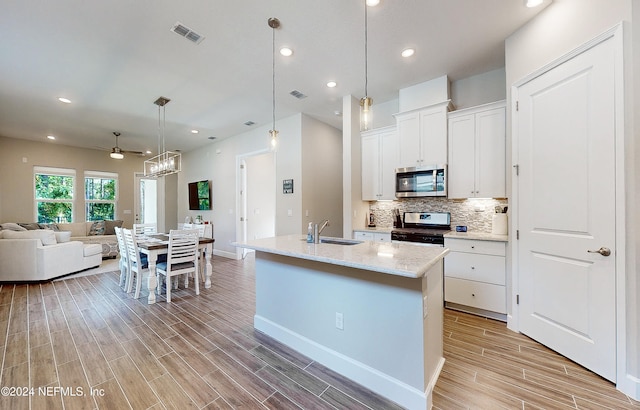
[339, 321]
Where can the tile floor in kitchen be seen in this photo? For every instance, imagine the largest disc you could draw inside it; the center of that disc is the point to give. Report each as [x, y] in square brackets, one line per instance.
[202, 352]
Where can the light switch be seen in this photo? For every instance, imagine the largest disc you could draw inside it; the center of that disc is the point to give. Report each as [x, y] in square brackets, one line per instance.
[290, 212]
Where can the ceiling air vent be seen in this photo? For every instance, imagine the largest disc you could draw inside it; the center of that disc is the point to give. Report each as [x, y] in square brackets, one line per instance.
[298, 94]
[249, 123]
[187, 33]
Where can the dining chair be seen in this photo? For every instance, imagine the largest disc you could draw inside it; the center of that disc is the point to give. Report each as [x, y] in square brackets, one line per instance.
[136, 266]
[182, 259]
[124, 258]
[201, 228]
[145, 229]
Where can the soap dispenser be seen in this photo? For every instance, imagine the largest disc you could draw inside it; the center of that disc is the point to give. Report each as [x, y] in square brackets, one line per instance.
[310, 233]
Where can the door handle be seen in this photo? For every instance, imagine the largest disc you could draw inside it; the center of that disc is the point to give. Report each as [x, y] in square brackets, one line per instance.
[602, 251]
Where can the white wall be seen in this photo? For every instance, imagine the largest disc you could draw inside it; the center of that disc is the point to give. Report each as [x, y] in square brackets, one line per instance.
[261, 195]
[560, 28]
[479, 89]
[322, 176]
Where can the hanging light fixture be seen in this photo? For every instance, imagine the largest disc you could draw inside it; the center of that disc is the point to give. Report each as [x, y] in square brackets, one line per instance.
[166, 162]
[274, 23]
[366, 101]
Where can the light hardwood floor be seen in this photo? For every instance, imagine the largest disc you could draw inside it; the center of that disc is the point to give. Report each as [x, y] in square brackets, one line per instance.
[83, 343]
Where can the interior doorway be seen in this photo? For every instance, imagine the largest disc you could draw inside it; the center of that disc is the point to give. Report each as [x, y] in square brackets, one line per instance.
[145, 199]
[257, 197]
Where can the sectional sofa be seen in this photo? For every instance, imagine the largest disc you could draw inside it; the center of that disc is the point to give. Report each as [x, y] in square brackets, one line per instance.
[42, 254]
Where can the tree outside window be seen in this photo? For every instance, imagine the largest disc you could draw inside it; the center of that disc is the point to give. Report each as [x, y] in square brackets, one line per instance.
[100, 194]
[54, 195]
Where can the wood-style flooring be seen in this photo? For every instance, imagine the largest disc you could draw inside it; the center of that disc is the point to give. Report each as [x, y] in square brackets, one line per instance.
[83, 343]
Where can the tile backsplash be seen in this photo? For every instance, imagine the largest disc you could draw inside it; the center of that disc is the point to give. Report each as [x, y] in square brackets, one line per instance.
[476, 214]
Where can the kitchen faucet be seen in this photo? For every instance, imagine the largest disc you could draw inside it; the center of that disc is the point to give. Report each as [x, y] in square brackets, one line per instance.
[317, 232]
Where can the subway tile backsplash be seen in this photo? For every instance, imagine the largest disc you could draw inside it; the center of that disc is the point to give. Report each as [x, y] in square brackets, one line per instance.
[476, 214]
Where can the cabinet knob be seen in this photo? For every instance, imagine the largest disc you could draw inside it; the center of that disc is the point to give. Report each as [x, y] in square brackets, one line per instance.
[473, 294]
[473, 267]
[473, 247]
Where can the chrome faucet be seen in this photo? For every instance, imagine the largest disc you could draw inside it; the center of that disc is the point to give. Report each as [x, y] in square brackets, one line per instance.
[317, 231]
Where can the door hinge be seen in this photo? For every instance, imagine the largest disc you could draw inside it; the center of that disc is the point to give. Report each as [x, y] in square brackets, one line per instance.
[241, 166]
[517, 105]
[517, 299]
[517, 167]
[517, 233]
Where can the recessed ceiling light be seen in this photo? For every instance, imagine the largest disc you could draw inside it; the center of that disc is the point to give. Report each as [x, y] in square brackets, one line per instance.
[532, 3]
[64, 100]
[286, 51]
[373, 3]
[408, 52]
[331, 84]
[51, 137]
[194, 131]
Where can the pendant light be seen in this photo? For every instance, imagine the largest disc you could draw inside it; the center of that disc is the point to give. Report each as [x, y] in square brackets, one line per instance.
[366, 101]
[166, 162]
[274, 23]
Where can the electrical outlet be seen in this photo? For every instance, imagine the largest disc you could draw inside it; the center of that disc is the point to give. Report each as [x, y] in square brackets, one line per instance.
[424, 307]
[339, 321]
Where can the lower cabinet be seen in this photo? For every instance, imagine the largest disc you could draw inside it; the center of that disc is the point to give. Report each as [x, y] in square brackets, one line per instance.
[475, 277]
[372, 236]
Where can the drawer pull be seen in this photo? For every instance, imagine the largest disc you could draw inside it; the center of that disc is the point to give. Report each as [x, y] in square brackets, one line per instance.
[473, 267]
[473, 247]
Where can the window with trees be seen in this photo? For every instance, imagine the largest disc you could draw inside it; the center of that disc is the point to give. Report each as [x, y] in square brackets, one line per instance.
[54, 194]
[100, 195]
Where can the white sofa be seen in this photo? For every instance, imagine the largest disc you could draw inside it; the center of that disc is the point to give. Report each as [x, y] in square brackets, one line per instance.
[80, 231]
[29, 259]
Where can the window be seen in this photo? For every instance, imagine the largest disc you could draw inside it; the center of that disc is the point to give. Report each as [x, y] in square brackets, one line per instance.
[54, 194]
[100, 195]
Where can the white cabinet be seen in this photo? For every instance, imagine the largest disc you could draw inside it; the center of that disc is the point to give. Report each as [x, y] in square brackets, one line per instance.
[379, 161]
[372, 236]
[475, 276]
[422, 135]
[477, 160]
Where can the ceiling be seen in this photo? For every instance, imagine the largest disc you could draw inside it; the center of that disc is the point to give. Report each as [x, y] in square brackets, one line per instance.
[114, 58]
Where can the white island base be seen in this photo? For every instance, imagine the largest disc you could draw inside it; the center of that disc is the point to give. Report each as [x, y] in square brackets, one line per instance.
[381, 330]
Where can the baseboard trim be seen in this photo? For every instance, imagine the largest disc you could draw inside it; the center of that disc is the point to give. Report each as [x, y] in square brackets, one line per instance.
[381, 383]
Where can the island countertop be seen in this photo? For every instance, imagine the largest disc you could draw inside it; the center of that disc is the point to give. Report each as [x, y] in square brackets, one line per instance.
[399, 259]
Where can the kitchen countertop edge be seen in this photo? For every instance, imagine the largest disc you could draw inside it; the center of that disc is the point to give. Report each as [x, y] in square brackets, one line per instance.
[407, 260]
[479, 236]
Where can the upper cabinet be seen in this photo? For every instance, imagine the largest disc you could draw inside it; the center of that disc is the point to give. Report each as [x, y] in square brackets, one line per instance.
[422, 135]
[379, 161]
[477, 160]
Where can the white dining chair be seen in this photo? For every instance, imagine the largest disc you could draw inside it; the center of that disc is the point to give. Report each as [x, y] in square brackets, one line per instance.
[201, 228]
[124, 258]
[136, 266]
[182, 259]
[145, 229]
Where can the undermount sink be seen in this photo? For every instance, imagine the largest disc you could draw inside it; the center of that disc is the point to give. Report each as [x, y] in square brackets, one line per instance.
[339, 241]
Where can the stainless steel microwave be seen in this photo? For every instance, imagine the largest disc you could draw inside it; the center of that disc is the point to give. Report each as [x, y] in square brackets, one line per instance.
[421, 181]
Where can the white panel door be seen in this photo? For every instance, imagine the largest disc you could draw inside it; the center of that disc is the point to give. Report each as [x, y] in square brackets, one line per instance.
[566, 208]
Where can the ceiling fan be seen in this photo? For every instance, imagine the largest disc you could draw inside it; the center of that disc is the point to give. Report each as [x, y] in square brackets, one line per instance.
[117, 153]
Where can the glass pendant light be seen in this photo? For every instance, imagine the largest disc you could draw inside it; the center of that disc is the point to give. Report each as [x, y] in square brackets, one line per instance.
[274, 23]
[366, 102]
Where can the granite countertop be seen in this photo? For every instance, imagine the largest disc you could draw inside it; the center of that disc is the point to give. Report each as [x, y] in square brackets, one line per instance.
[479, 236]
[399, 259]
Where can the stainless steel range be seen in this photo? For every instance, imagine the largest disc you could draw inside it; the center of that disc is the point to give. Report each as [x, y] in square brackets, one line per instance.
[423, 228]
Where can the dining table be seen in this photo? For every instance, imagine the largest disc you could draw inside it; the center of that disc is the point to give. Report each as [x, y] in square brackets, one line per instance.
[154, 245]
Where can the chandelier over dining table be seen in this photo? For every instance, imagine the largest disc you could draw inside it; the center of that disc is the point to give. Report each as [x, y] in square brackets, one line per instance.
[166, 162]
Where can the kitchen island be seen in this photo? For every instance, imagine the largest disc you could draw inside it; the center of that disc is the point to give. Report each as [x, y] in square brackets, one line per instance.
[369, 311]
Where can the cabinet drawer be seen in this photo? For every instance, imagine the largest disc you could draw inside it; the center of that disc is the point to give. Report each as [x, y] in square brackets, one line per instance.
[475, 294]
[475, 246]
[382, 237]
[363, 236]
[481, 268]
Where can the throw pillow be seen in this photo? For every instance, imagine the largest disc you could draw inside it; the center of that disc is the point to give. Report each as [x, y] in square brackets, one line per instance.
[62, 236]
[109, 226]
[53, 226]
[10, 226]
[46, 236]
[30, 226]
[97, 228]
